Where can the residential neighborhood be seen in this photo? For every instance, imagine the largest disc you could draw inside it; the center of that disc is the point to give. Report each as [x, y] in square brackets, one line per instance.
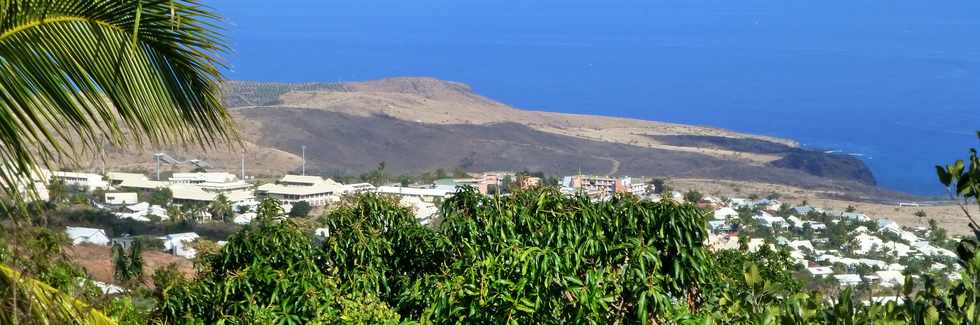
[831, 248]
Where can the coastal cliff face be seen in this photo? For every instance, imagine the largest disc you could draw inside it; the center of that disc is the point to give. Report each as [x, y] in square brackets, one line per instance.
[834, 166]
[421, 124]
[816, 163]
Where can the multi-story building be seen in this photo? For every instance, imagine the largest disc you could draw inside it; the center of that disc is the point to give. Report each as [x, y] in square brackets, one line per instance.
[89, 182]
[292, 189]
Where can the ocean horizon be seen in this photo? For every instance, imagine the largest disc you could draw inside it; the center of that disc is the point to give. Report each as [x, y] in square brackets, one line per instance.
[894, 84]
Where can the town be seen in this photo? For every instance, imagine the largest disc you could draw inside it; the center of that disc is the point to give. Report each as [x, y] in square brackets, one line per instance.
[831, 250]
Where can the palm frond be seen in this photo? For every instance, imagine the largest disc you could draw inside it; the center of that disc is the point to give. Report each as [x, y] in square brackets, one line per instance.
[76, 74]
[41, 303]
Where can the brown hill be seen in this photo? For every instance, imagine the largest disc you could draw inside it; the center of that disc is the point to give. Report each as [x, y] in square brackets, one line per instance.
[419, 124]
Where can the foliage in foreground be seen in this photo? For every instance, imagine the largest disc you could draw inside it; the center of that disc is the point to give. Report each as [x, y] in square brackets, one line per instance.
[533, 257]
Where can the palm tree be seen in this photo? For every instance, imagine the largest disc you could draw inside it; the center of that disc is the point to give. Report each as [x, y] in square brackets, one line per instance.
[79, 73]
[221, 208]
[112, 70]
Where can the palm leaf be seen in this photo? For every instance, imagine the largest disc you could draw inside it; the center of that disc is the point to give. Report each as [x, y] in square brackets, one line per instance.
[43, 303]
[77, 74]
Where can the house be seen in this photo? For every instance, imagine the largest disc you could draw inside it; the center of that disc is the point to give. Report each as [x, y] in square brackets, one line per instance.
[142, 212]
[86, 181]
[121, 198]
[816, 226]
[795, 222]
[925, 248]
[801, 244]
[725, 213]
[740, 203]
[804, 210]
[819, 271]
[768, 204]
[867, 243]
[848, 279]
[890, 279]
[424, 211]
[180, 244]
[81, 235]
[718, 226]
[767, 220]
[854, 216]
[314, 190]
[245, 218]
[898, 249]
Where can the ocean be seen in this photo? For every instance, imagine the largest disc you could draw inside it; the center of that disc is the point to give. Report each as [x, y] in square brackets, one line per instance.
[892, 82]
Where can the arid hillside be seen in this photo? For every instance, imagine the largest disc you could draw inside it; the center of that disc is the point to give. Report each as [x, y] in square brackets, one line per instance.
[420, 124]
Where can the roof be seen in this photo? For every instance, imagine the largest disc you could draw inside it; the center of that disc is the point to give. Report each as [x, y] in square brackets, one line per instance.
[398, 190]
[80, 235]
[820, 270]
[301, 179]
[183, 236]
[116, 176]
[725, 213]
[142, 183]
[317, 188]
[73, 174]
[211, 177]
[847, 278]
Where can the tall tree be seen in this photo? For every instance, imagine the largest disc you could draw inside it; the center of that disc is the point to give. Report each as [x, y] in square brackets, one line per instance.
[221, 208]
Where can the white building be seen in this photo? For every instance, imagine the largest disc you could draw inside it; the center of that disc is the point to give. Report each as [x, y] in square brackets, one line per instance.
[848, 279]
[424, 211]
[180, 244]
[89, 182]
[890, 279]
[425, 194]
[359, 188]
[245, 218]
[768, 220]
[191, 194]
[31, 188]
[854, 216]
[81, 235]
[310, 189]
[819, 271]
[201, 178]
[725, 213]
[867, 243]
[132, 181]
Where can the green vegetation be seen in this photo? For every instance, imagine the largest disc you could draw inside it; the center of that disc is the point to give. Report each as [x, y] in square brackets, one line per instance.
[128, 266]
[300, 209]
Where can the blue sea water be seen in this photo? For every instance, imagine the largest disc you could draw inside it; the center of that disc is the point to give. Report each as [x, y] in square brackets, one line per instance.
[896, 82]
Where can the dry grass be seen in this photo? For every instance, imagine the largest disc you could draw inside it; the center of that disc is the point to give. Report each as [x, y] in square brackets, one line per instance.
[97, 261]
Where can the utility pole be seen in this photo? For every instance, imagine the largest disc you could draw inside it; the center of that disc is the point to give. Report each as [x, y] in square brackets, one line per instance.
[157, 156]
[243, 164]
[304, 160]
